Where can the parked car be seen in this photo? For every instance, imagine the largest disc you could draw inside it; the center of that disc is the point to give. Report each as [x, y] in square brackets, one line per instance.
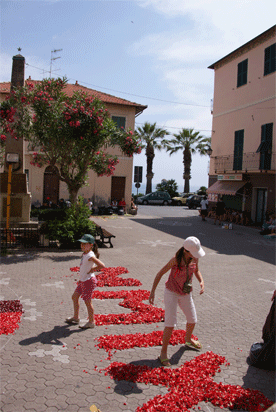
[193, 201]
[181, 199]
[155, 198]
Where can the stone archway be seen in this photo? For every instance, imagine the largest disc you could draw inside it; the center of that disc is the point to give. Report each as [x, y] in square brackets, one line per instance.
[51, 185]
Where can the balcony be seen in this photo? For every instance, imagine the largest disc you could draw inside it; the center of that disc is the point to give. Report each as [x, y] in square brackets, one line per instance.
[250, 163]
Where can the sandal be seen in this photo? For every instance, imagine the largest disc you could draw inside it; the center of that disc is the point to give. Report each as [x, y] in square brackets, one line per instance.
[88, 325]
[194, 345]
[164, 362]
[72, 321]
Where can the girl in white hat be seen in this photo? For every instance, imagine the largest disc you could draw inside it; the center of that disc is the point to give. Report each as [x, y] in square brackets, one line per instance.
[178, 292]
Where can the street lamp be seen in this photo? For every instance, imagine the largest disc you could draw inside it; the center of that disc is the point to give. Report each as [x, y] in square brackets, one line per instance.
[11, 158]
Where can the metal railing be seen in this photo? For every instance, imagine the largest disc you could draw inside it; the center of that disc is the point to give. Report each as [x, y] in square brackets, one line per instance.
[250, 163]
[22, 237]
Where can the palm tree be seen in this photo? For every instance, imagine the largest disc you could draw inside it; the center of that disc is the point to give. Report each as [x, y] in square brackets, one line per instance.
[150, 134]
[189, 142]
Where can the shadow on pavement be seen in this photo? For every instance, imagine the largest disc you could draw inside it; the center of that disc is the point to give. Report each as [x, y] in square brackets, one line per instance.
[51, 337]
[242, 240]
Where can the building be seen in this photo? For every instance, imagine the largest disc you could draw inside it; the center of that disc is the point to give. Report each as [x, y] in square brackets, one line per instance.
[243, 161]
[43, 182]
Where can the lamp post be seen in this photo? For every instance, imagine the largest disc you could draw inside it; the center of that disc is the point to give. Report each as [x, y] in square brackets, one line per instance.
[11, 158]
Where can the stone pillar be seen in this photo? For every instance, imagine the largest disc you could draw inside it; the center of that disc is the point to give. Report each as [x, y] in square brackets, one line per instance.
[20, 197]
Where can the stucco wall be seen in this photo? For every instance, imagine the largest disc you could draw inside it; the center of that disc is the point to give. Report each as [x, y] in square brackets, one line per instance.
[246, 107]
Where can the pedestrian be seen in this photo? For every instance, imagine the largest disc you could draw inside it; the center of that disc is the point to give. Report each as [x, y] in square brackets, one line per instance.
[90, 205]
[89, 264]
[204, 208]
[178, 292]
[219, 210]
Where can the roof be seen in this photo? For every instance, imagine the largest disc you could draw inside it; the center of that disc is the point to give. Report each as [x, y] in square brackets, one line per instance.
[221, 187]
[70, 89]
[245, 47]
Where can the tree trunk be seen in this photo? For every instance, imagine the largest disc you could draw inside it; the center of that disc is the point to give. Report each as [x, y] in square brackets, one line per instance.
[150, 156]
[187, 160]
[73, 194]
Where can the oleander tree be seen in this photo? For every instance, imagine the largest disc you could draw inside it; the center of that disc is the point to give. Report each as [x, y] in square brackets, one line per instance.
[189, 142]
[150, 136]
[70, 132]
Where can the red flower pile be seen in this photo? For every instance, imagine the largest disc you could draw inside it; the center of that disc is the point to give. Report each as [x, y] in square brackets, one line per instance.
[10, 315]
[154, 338]
[109, 277]
[142, 313]
[190, 384]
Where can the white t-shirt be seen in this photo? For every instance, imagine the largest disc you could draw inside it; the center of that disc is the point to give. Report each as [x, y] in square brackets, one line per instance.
[86, 265]
[204, 204]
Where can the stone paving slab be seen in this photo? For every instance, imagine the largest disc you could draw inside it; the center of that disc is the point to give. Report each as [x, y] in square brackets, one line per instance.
[48, 365]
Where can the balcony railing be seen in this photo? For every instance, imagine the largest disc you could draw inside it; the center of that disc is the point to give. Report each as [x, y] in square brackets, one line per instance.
[250, 163]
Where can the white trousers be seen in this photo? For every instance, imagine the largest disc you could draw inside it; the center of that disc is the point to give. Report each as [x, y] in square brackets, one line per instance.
[186, 304]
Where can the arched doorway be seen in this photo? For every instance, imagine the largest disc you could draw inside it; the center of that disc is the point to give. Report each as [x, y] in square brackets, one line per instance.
[51, 185]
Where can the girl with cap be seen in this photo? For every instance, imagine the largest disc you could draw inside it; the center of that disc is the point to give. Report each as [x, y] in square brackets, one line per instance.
[178, 292]
[90, 263]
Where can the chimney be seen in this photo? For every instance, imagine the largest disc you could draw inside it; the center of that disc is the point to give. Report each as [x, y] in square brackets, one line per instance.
[76, 84]
[18, 71]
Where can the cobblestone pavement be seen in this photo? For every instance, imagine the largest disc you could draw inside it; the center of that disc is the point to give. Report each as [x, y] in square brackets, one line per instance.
[47, 365]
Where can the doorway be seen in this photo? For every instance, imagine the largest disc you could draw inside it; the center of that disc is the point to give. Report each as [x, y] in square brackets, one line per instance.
[118, 184]
[261, 205]
[51, 185]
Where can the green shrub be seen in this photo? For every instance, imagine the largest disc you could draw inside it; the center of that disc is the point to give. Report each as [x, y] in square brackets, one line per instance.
[71, 227]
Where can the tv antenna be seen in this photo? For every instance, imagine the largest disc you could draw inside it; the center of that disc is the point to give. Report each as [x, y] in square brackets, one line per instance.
[54, 58]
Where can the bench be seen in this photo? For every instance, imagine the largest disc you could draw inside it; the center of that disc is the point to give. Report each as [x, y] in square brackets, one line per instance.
[104, 235]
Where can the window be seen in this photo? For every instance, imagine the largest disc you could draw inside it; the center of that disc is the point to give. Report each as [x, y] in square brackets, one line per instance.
[265, 148]
[238, 150]
[120, 121]
[269, 60]
[242, 73]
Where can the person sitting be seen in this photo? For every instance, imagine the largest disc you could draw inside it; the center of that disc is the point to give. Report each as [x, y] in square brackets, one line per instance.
[122, 204]
[114, 205]
[269, 226]
[133, 207]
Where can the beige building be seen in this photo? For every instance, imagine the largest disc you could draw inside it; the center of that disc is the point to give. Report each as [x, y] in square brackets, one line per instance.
[243, 161]
[43, 182]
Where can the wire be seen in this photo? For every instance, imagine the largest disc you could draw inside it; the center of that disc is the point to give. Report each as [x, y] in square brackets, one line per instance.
[129, 94]
[177, 127]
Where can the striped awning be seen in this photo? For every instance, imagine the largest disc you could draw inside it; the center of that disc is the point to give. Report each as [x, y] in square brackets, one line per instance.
[225, 187]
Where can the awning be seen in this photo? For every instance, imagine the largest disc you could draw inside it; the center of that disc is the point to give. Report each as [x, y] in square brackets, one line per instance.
[225, 187]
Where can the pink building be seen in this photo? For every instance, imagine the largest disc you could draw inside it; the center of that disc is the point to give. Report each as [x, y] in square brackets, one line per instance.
[243, 161]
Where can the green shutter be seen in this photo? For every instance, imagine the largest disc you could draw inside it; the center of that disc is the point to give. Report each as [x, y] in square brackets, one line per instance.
[265, 147]
[120, 121]
[238, 150]
[270, 59]
[242, 73]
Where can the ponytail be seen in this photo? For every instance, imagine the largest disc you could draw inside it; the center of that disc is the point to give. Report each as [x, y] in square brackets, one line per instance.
[95, 250]
[179, 256]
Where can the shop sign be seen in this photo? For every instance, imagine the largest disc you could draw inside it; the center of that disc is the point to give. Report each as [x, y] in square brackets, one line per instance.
[230, 177]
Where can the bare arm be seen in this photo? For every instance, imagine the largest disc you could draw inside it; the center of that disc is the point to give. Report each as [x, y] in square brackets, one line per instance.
[159, 275]
[99, 264]
[199, 277]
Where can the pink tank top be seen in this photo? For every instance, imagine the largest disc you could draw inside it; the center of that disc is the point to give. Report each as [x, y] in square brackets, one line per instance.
[178, 277]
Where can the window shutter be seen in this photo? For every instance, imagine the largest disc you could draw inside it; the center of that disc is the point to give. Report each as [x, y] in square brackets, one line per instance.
[120, 121]
[238, 150]
[242, 73]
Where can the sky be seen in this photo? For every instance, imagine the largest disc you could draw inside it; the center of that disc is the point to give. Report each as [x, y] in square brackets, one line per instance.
[152, 52]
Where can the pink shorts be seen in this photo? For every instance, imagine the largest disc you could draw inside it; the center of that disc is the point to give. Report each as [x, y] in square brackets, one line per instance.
[85, 289]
